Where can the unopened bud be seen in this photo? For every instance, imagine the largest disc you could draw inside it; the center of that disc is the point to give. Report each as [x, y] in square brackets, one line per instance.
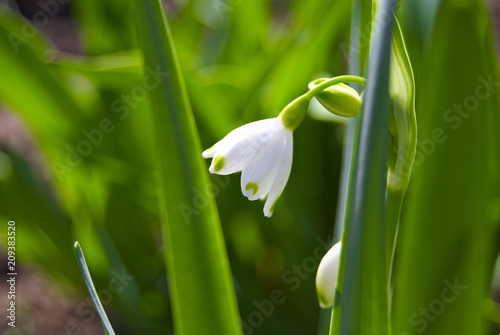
[326, 277]
[338, 99]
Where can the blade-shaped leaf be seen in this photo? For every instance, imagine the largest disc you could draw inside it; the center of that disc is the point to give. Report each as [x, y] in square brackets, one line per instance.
[358, 55]
[202, 293]
[402, 137]
[361, 303]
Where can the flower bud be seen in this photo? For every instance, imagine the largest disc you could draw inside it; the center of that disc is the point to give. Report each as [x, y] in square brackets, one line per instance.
[338, 99]
[326, 277]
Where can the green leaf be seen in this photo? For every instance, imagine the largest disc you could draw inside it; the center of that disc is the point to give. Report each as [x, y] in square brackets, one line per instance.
[447, 246]
[358, 55]
[105, 25]
[402, 136]
[202, 293]
[52, 115]
[361, 27]
[92, 291]
[361, 303]
[39, 97]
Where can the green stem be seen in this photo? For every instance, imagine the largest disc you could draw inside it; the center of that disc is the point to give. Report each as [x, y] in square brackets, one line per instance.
[335, 81]
[295, 111]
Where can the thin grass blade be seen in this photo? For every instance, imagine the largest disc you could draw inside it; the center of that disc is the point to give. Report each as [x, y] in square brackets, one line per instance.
[91, 288]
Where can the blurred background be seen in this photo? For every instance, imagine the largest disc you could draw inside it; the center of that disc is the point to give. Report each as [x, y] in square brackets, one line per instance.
[76, 158]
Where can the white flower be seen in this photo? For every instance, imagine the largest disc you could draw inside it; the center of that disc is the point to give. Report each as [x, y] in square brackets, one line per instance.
[326, 277]
[262, 150]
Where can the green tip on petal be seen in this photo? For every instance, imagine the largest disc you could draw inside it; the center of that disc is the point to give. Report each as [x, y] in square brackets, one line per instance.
[252, 186]
[218, 163]
[323, 301]
[271, 210]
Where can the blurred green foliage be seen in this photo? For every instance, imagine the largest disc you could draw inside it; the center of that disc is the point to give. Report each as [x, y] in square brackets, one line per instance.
[449, 233]
[242, 61]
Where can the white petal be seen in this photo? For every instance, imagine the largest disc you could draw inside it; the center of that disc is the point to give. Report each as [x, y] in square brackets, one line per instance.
[326, 277]
[258, 175]
[242, 153]
[209, 153]
[239, 134]
[282, 174]
[241, 145]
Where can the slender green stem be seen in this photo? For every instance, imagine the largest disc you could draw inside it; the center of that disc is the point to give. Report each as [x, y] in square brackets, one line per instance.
[295, 111]
[335, 81]
[91, 288]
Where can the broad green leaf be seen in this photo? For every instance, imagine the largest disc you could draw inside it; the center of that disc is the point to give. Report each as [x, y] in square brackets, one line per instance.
[361, 302]
[446, 249]
[202, 293]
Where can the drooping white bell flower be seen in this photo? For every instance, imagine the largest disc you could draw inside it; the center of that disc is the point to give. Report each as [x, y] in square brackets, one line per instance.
[326, 277]
[263, 152]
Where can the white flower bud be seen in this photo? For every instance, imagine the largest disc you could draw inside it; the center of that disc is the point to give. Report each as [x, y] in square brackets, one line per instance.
[326, 277]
